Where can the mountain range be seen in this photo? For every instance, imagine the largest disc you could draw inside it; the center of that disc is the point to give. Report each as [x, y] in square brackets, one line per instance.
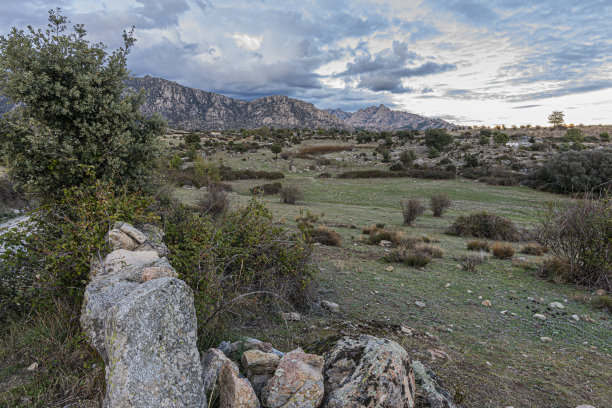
[190, 108]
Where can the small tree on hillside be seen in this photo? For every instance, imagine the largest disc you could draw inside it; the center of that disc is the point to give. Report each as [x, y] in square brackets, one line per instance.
[556, 118]
[276, 149]
[73, 121]
[438, 138]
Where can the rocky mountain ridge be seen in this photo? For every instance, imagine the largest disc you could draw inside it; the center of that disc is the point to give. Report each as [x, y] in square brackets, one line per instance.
[382, 118]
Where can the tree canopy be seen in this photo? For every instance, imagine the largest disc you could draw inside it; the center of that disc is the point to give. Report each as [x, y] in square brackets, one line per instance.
[73, 121]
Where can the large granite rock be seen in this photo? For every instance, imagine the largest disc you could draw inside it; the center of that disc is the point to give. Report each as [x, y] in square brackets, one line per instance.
[212, 361]
[366, 371]
[297, 382]
[150, 338]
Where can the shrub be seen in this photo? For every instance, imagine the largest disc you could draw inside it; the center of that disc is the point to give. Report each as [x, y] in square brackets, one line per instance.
[50, 256]
[554, 269]
[471, 160]
[276, 149]
[470, 262]
[411, 209]
[324, 175]
[575, 171]
[502, 250]
[214, 200]
[573, 135]
[73, 117]
[486, 132]
[10, 195]
[604, 137]
[483, 140]
[437, 138]
[267, 189]
[477, 245]
[484, 225]
[439, 203]
[228, 174]
[603, 302]
[377, 235]
[580, 234]
[501, 138]
[307, 152]
[242, 253]
[397, 167]
[385, 154]
[326, 236]
[290, 194]
[433, 153]
[433, 251]
[407, 157]
[323, 161]
[408, 256]
[533, 249]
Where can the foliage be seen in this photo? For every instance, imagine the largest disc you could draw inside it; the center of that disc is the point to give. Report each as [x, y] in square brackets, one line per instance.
[205, 170]
[573, 135]
[533, 249]
[10, 195]
[50, 256]
[484, 140]
[575, 171]
[290, 194]
[73, 118]
[501, 138]
[556, 118]
[407, 157]
[267, 188]
[241, 253]
[193, 140]
[471, 160]
[438, 138]
[580, 234]
[604, 137]
[376, 235]
[326, 236]
[502, 250]
[439, 203]
[411, 209]
[408, 256]
[433, 153]
[478, 245]
[471, 261]
[484, 225]
[433, 251]
[397, 167]
[603, 302]
[214, 200]
[276, 149]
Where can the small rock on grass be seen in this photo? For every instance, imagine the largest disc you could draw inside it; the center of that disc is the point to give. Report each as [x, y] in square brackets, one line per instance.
[539, 316]
[557, 305]
[546, 339]
[420, 304]
[292, 316]
[330, 306]
[486, 303]
[32, 367]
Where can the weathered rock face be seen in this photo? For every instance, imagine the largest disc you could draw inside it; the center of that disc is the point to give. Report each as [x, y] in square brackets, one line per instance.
[259, 368]
[231, 349]
[150, 341]
[297, 382]
[436, 395]
[366, 371]
[212, 361]
[141, 319]
[235, 392]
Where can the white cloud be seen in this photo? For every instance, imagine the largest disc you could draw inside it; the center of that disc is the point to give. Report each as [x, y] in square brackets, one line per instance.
[246, 41]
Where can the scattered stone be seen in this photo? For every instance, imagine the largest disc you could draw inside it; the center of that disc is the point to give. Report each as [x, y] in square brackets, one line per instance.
[235, 391]
[118, 239]
[365, 371]
[539, 316]
[576, 317]
[406, 330]
[231, 349]
[259, 367]
[330, 306]
[420, 304]
[435, 393]
[469, 291]
[486, 303]
[447, 285]
[585, 406]
[600, 292]
[557, 305]
[212, 361]
[292, 317]
[503, 312]
[297, 382]
[434, 353]
[385, 244]
[32, 367]
[587, 318]
[389, 268]
[545, 339]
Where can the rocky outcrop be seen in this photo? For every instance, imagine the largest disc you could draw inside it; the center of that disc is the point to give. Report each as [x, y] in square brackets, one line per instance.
[191, 108]
[379, 118]
[432, 387]
[142, 321]
[235, 391]
[297, 382]
[259, 368]
[366, 371]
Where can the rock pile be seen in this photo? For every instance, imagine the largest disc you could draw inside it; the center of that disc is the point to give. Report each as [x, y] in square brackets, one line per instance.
[142, 321]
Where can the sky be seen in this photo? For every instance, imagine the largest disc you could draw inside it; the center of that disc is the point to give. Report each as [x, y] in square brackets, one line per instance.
[472, 62]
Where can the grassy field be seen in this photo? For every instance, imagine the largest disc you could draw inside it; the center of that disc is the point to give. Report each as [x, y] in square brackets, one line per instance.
[491, 356]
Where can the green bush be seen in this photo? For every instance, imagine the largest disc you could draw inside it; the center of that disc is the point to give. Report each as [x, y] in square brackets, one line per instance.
[573, 135]
[433, 153]
[267, 189]
[408, 256]
[407, 157]
[437, 138]
[73, 117]
[484, 225]
[575, 171]
[243, 252]
[604, 137]
[500, 138]
[50, 256]
[439, 203]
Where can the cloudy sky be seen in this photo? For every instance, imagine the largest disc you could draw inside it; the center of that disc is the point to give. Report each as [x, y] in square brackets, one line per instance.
[468, 61]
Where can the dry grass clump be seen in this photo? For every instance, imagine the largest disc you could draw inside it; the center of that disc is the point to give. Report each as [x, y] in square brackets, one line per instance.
[214, 201]
[290, 194]
[439, 203]
[267, 189]
[471, 261]
[603, 302]
[478, 245]
[408, 256]
[502, 250]
[533, 249]
[397, 237]
[555, 269]
[411, 209]
[433, 251]
[326, 236]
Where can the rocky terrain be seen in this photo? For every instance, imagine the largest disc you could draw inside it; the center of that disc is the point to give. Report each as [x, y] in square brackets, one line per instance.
[191, 108]
[382, 118]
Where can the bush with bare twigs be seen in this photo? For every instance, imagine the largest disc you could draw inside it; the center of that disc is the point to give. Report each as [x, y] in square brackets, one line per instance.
[214, 201]
[290, 194]
[533, 249]
[411, 209]
[484, 225]
[439, 203]
[471, 261]
[478, 245]
[580, 235]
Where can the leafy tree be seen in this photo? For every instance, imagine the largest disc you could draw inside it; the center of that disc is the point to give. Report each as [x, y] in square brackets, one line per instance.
[193, 139]
[73, 121]
[276, 149]
[556, 118]
[438, 138]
